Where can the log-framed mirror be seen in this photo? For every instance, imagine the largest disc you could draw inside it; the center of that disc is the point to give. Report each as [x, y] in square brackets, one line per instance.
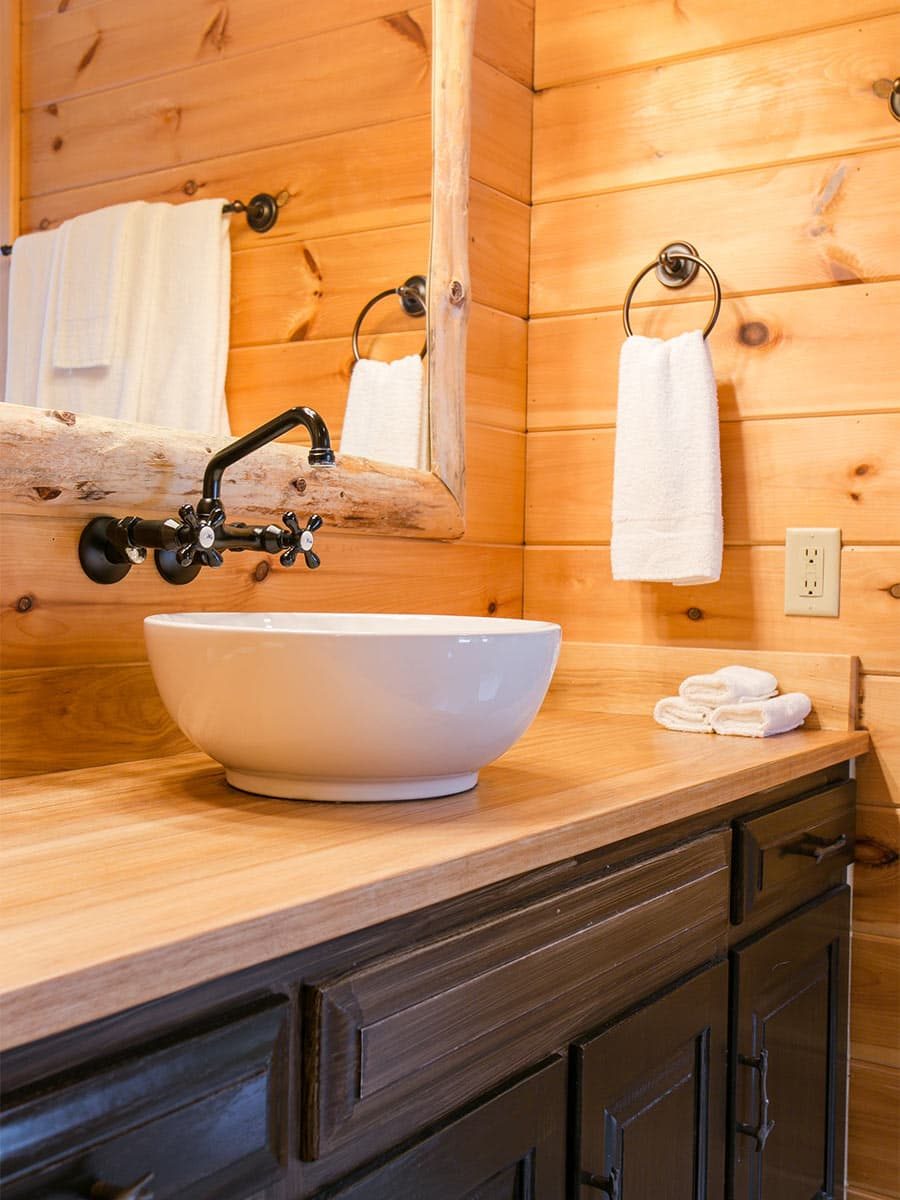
[49, 459]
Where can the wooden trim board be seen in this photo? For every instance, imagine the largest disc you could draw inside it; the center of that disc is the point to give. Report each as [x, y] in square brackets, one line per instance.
[607, 678]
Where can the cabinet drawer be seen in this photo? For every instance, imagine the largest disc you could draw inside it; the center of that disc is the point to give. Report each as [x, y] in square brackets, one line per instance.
[203, 1114]
[408, 1038]
[778, 851]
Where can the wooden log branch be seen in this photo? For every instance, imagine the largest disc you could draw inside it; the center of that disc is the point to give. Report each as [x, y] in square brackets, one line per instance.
[453, 35]
[65, 463]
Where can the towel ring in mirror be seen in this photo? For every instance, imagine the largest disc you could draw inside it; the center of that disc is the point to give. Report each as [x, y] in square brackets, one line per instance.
[412, 294]
[676, 265]
[894, 99]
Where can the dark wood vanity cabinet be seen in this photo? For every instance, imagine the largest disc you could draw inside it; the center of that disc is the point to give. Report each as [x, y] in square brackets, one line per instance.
[789, 1056]
[662, 1020]
[649, 1096]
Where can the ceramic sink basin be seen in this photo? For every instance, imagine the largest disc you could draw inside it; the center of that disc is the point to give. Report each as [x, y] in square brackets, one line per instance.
[344, 706]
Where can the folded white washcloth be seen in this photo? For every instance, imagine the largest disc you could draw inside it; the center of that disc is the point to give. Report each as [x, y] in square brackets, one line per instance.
[667, 485]
[29, 291]
[88, 285]
[677, 713]
[386, 418]
[728, 685]
[762, 718]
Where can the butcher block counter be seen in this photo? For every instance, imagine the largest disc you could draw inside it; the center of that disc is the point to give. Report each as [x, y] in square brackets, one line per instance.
[212, 994]
[123, 883]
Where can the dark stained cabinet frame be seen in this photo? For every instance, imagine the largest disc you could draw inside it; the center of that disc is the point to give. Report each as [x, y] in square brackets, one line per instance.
[650, 1098]
[203, 1114]
[613, 1025]
[420, 1030]
[789, 1062]
[510, 1146]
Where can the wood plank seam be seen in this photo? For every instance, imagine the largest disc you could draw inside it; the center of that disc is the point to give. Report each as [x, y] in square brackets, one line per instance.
[765, 165]
[712, 50]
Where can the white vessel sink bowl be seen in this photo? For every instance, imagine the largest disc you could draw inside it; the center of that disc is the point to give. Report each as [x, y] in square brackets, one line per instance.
[345, 706]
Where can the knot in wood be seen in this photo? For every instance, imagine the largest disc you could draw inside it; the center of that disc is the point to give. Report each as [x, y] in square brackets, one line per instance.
[457, 292]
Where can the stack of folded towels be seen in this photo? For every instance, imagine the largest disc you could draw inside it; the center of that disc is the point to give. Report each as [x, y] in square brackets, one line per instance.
[741, 700]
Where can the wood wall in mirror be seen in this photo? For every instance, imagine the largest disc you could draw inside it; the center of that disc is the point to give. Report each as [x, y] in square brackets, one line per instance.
[247, 110]
[76, 687]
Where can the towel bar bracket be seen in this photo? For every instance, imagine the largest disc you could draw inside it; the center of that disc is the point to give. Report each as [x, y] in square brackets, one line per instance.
[675, 271]
[676, 265]
[413, 300]
[261, 213]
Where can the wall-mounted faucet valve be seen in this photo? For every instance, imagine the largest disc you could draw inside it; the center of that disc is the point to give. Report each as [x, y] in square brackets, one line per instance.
[108, 547]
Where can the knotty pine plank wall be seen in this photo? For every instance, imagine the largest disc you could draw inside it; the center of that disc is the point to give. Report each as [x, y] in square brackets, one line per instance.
[123, 100]
[761, 134]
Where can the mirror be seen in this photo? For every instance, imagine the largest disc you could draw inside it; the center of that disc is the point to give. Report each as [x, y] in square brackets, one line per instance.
[62, 462]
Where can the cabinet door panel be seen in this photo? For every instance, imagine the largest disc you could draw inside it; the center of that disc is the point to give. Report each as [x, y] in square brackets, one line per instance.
[651, 1098]
[511, 1146]
[790, 1049]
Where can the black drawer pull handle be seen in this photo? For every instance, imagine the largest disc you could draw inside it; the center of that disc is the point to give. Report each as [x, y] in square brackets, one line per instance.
[609, 1185]
[142, 1190]
[818, 848]
[764, 1126]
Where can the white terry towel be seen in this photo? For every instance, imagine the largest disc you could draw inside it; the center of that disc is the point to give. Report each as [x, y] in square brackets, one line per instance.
[169, 269]
[677, 713]
[29, 290]
[762, 718]
[88, 285]
[728, 685]
[386, 418]
[667, 485]
[186, 354]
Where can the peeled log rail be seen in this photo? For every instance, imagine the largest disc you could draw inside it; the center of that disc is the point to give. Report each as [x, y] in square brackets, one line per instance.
[73, 463]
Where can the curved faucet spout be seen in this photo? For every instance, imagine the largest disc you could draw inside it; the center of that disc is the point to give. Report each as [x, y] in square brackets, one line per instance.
[320, 454]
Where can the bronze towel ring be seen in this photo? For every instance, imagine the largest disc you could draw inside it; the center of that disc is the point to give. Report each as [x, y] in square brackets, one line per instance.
[677, 265]
[412, 299]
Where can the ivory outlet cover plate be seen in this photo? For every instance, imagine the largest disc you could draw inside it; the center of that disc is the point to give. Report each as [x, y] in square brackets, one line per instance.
[812, 572]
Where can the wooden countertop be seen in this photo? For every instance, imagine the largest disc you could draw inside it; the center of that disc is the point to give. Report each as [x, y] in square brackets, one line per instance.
[121, 884]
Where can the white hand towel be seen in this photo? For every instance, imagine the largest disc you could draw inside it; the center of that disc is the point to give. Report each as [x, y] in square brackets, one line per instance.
[91, 275]
[386, 418]
[188, 275]
[728, 685]
[169, 325]
[677, 713]
[762, 718]
[112, 390]
[29, 291]
[667, 488]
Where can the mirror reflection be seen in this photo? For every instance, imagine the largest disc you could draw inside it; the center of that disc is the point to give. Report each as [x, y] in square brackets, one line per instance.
[140, 298]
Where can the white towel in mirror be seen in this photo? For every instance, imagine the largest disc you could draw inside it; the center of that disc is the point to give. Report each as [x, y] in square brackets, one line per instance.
[148, 341]
[386, 418]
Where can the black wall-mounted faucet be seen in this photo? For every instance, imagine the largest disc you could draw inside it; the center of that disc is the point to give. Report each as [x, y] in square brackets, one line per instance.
[110, 547]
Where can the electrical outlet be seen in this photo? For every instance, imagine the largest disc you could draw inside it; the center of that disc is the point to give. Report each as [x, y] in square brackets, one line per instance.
[812, 572]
